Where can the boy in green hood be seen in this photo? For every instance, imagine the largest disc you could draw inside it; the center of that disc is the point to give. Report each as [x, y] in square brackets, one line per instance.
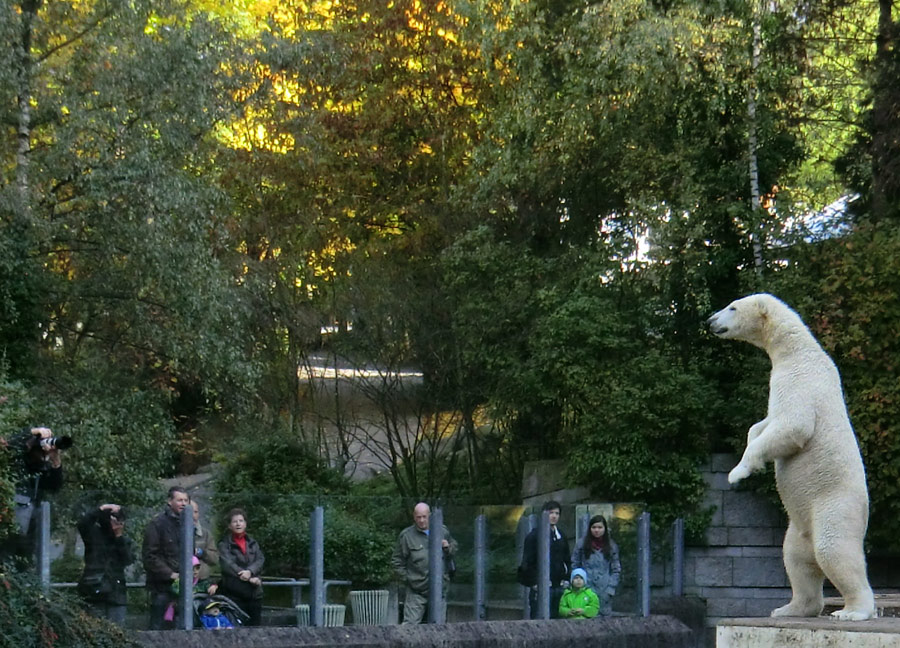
[579, 601]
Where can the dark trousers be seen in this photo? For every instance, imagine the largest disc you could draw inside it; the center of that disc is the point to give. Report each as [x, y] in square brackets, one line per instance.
[159, 601]
[555, 597]
[103, 610]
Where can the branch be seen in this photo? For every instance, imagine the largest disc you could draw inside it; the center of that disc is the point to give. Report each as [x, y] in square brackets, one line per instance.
[77, 37]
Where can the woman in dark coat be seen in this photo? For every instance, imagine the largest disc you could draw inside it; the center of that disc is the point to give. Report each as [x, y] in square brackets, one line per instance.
[107, 552]
[241, 561]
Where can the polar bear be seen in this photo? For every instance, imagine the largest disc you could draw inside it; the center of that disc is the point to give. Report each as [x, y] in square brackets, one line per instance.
[818, 467]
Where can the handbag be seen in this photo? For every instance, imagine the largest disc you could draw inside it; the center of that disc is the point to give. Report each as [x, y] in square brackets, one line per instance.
[94, 585]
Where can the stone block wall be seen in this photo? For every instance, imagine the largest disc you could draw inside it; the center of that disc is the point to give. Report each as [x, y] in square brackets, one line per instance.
[739, 571]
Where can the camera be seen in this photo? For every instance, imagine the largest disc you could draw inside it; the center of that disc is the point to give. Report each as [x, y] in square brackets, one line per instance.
[56, 443]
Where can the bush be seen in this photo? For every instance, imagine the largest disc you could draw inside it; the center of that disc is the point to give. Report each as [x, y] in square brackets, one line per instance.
[30, 618]
[279, 481]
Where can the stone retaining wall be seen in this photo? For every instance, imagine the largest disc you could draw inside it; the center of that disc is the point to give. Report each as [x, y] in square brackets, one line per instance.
[650, 632]
[739, 571]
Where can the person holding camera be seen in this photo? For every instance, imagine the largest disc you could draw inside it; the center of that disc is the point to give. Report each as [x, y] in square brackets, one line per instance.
[37, 466]
[107, 552]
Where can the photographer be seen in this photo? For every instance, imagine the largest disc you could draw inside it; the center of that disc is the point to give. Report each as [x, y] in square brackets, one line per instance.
[37, 466]
[107, 552]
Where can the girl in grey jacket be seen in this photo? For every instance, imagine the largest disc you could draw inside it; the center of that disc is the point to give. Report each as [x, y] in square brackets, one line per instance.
[598, 554]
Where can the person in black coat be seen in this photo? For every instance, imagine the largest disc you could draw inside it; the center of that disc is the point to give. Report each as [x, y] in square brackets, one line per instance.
[107, 552]
[161, 555]
[241, 561]
[36, 469]
[560, 562]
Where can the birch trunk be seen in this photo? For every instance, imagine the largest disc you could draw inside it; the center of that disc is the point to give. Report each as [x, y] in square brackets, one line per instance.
[756, 232]
[23, 149]
[885, 147]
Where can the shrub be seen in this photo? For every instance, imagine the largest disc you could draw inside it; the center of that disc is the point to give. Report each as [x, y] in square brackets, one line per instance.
[279, 481]
[29, 618]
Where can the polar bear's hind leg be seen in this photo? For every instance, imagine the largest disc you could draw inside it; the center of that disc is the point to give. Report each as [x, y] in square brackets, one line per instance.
[804, 574]
[844, 563]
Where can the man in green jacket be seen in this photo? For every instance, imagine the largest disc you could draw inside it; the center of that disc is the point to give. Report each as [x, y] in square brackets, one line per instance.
[410, 562]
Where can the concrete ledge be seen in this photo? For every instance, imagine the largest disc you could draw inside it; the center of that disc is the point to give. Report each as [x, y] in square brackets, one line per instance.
[615, 632]
[819, 632]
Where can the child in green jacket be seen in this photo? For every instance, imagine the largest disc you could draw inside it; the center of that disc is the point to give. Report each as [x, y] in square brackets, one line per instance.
[579, 601]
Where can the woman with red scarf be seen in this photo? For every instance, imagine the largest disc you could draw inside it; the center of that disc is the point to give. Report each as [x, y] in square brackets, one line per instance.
[241, 561]
[598, 555]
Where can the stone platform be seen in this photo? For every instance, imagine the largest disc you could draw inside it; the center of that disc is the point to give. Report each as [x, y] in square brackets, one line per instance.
[819, 632]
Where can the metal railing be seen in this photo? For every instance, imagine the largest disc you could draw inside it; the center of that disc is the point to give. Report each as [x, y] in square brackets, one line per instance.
[318, 585]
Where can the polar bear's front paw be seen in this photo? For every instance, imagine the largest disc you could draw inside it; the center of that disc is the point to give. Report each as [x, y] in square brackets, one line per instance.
[853, 615]
[738, 473]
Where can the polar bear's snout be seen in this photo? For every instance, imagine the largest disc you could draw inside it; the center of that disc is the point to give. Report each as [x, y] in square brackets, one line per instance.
[717, 325]
[714, 327]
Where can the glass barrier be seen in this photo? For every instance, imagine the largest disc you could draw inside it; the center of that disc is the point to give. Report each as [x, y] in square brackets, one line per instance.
[360, 535]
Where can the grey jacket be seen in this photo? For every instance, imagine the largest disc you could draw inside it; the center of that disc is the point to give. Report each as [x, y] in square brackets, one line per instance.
[603, 574]
[410, 558]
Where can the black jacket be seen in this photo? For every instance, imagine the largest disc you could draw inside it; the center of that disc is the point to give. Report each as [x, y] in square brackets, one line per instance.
[232, 560]
[33, 475]
[105, 559]
[560, 565]
[160, 554]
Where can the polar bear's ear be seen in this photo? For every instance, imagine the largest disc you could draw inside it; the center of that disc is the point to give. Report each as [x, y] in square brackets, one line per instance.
[763, 307]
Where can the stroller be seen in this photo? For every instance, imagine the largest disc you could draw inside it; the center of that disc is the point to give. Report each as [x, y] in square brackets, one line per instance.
[218, 612]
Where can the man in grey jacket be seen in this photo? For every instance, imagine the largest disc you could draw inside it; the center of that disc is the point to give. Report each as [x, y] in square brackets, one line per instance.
[410, 562]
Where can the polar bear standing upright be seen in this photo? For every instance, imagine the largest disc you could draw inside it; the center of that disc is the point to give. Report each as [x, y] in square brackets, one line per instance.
[818, 467]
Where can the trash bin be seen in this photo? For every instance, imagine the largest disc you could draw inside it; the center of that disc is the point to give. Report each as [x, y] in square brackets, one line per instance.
[333, 615]
[370, 607]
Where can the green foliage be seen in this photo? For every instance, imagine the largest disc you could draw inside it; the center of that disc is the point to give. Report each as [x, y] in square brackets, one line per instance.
[846, 291]
[467, 189]
[14, 413]
[30, 619]
[279, 481]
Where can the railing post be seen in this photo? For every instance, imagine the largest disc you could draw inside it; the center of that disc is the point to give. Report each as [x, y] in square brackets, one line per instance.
[543, 544]
[186, 569]
[436, 567]
[480, 566]
[678, 558]
[643, 537]
[317, 567]
[522, 531]
[43, 545]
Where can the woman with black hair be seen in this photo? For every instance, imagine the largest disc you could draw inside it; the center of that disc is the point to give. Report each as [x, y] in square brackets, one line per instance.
[598, 555]
[107, 552]
[242, 560]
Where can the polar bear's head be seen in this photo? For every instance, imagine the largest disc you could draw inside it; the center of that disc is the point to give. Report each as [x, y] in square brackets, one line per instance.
[752, 319]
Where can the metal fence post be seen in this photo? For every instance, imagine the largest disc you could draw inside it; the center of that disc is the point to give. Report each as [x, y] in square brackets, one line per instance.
[543, 597]
[526, 524]
[436, 567]
[317, 567]
[186, 568]
[678, 558]
[480, 566]
[43, 545]
[643, 538]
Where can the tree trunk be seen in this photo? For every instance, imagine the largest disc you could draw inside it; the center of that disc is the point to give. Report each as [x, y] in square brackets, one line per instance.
[886, 118]
[756, 229]
[23, 149]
